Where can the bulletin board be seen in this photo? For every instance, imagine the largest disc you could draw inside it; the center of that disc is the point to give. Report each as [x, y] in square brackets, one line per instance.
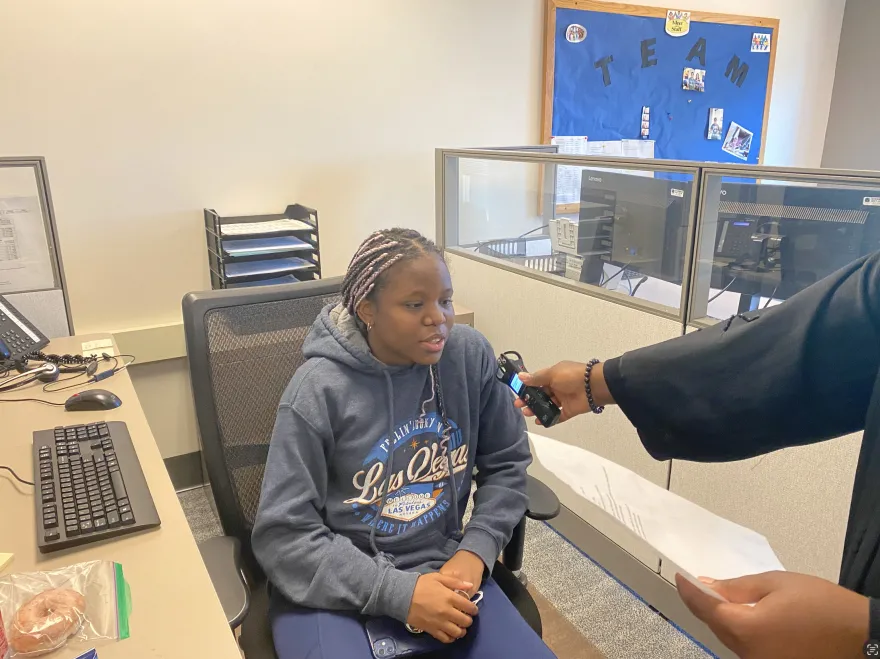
[605, 62]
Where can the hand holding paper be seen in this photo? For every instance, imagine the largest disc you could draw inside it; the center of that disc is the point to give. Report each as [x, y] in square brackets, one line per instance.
[794, 615]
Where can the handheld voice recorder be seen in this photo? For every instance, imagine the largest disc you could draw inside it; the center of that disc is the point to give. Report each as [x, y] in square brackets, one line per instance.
[510, 365]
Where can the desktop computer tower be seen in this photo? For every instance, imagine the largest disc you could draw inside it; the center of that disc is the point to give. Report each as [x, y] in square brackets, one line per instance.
[634, 222]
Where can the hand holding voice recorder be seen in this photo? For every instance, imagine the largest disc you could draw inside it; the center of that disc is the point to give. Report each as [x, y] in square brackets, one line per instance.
[510, 365]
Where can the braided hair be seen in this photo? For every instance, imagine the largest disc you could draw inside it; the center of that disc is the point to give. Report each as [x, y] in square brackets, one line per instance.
[381, 250]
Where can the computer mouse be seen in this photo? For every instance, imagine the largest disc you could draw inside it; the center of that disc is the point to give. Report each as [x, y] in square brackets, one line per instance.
[93, 399]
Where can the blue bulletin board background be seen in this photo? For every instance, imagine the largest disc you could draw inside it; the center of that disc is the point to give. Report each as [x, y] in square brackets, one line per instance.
[584, 105]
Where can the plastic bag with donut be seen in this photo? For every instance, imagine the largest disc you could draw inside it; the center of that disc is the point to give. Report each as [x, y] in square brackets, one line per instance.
[79, 604]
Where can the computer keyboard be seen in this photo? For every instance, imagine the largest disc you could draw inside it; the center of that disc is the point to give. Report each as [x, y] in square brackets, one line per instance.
[90, 486]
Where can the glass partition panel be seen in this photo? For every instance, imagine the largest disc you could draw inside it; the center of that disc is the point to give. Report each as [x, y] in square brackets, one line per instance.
[760, 241]
[27, 255]
[624, 234]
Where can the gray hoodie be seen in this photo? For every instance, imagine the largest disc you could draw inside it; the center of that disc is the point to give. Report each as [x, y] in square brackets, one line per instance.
[345, 423]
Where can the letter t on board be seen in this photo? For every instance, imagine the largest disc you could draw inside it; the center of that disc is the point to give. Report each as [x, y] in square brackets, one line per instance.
[603, 64]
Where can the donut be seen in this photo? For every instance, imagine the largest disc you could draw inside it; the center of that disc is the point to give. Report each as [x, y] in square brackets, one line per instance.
[45, 622]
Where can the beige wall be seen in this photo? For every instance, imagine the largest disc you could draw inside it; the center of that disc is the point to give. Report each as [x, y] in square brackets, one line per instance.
[163, 389]
[851, 141]
[147, 112]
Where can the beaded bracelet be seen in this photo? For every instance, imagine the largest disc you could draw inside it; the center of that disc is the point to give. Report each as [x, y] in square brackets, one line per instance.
[595, 409]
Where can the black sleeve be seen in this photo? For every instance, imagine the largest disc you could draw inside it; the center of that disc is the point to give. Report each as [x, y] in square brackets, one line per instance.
[797, 373]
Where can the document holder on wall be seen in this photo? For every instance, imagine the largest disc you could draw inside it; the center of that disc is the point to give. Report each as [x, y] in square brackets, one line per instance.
[259, 250]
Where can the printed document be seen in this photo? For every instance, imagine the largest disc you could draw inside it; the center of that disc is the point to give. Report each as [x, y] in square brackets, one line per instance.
[25, 260]
[690, 537]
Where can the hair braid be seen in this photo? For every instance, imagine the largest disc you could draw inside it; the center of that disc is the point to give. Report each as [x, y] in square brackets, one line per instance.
[375, 256]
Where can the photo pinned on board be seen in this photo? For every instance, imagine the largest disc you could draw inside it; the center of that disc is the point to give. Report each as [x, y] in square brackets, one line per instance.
[738, 142]
[716, 123]
[575, 33]
[693, 80]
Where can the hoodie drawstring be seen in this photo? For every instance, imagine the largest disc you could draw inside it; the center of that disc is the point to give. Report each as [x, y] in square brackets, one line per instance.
[389, 461]
[445, 433]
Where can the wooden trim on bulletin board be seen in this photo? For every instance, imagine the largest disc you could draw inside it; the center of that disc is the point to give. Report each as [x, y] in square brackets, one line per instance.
[647, 12]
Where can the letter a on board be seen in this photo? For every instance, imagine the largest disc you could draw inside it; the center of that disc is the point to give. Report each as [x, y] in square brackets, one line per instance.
[603, 64]
[678, 23]
[737, 71]
[699, 50]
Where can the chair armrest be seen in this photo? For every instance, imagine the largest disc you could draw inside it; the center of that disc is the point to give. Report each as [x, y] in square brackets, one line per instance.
[222, 557]
[543, 502]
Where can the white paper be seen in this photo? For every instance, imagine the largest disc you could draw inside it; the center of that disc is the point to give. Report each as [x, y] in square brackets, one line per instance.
[25, 260]
[637, 148]
[607, 149]
[96, 345]
[624, 149]
[698, 542]
[270, 226]
[568, 178]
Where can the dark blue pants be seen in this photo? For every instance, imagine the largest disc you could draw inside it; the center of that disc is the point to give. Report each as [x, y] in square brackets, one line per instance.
[498, 633]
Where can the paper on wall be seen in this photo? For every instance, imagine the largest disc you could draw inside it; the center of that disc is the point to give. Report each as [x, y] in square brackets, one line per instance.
[627, 149]
[25, 260]
[693, 539]
[568, 178]
[637, 148]
[605, 148]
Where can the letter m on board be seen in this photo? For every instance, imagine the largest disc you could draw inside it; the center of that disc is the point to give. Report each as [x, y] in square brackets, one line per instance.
[737, 71]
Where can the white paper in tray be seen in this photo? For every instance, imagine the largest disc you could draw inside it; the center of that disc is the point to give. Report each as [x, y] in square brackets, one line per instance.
[258, 228]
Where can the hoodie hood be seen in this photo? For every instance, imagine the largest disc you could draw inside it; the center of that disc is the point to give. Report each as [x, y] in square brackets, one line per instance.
[337, 337]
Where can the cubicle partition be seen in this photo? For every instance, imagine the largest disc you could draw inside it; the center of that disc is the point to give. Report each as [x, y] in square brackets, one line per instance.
[31, 272]
[654, 249]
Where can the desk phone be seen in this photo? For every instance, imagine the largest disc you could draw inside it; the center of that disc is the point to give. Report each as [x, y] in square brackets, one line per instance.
[18, 337]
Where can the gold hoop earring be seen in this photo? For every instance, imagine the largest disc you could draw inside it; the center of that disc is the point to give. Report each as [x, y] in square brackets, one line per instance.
[369, 327]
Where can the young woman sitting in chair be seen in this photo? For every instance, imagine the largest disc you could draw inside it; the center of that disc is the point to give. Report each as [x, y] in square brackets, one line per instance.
[369, 473]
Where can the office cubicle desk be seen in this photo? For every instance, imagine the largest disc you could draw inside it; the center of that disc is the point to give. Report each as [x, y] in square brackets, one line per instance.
[175, 611]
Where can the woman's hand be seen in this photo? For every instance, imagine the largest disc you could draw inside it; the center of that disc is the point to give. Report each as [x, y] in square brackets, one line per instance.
[466, 566]
[794, 615]
[438, 610]
[565, 384]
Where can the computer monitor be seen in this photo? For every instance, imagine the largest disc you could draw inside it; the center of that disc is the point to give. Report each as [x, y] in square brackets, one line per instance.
[640, 224]
[778, 239]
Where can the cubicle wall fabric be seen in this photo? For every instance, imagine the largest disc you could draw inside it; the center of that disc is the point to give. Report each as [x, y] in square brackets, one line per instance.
[254, 351]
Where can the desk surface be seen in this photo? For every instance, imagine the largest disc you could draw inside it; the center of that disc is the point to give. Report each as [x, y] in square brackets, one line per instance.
[175, 611]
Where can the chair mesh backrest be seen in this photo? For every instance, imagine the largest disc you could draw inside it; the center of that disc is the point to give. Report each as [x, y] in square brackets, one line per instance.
[253, 351]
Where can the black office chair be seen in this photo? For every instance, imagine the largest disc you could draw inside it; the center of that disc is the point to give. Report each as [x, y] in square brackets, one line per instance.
[244, 346]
